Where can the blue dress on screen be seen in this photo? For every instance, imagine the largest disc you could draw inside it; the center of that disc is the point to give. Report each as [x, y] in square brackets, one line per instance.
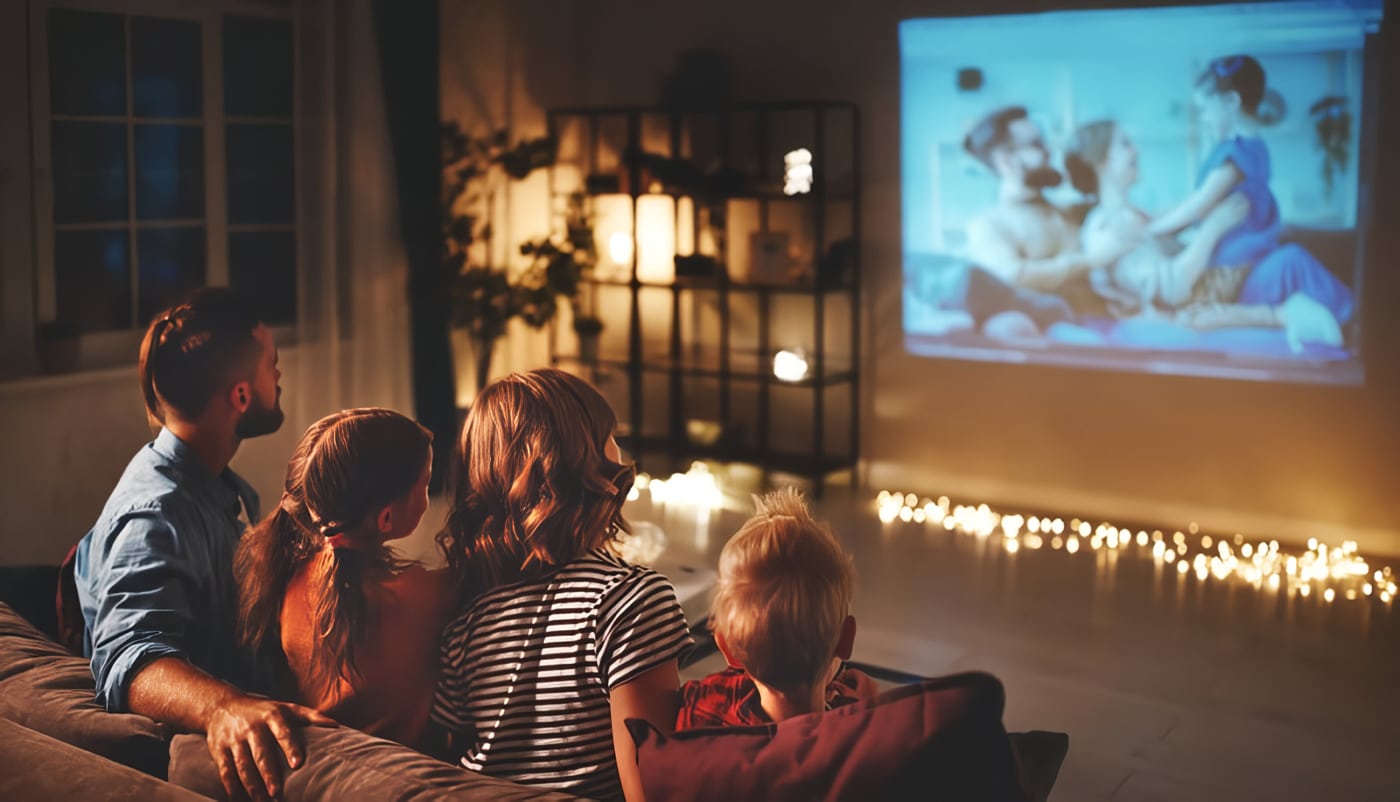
[1279, 269]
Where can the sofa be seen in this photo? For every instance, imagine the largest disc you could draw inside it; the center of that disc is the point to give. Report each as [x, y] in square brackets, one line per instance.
[56, 743]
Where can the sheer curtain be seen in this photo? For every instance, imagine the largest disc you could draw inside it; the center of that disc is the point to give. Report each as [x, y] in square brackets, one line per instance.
[353, 330]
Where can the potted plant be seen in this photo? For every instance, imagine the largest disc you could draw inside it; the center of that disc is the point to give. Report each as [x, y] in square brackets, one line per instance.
[58, 345]
[588, 328]
[485, 297]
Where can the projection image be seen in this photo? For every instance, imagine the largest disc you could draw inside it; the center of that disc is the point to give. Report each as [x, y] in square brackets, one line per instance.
[1175, 190]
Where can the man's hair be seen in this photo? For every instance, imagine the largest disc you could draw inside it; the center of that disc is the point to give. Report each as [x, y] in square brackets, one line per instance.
[991, 132]
[783, 594]
[196, 349]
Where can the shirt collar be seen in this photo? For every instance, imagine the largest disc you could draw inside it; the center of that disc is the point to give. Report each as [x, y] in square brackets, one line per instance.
[229, 488]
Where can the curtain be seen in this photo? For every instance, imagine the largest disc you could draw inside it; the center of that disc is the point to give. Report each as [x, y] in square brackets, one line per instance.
[406, 32]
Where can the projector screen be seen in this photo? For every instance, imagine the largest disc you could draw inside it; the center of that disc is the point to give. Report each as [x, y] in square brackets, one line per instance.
[1174, 190]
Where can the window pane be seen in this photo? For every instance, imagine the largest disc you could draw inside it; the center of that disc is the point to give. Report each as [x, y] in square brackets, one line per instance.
[89, 172]
[169, 172]
[93, 277]
[165, 68]
[257, 66]
[87, 63]
[262, 266]
[170, 263]
[261, 187]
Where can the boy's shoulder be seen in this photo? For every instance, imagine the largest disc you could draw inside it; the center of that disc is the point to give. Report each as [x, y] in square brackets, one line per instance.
[726, 698]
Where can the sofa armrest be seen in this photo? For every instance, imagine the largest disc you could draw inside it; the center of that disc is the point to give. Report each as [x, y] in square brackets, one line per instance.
[343, 763]
[37, 768]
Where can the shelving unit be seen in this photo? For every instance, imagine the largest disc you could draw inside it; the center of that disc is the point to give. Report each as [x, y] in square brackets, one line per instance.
[688, 359]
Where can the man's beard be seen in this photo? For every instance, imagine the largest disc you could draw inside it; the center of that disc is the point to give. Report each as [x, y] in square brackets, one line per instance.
[1043, 178]
[260, 420]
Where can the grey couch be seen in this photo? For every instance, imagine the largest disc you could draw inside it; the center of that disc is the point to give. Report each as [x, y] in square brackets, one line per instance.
[57, 743]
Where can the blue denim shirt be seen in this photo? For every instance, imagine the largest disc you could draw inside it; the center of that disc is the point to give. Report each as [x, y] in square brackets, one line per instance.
[155, 575]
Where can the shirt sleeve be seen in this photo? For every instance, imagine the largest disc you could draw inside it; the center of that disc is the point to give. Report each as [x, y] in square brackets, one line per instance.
[449, 697]
[640, 626]
[143, 594]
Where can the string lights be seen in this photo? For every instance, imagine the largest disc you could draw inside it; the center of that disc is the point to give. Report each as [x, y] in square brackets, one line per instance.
[1337, 572]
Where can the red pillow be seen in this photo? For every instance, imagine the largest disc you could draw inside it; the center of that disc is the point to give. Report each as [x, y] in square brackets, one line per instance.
[938, 739]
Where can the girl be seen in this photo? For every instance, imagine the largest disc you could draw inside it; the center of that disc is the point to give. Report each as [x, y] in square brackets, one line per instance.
[1258, 270]
[354, 630]
[561, 640]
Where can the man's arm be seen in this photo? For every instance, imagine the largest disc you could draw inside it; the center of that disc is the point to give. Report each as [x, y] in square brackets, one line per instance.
[991, 248]
[244, 734]
[143, 586]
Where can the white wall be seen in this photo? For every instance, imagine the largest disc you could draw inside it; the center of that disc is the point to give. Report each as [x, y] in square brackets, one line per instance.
[1287, 461]
[68, 438]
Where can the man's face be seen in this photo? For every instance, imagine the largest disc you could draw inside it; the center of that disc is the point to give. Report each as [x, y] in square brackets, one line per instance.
[264, 414]
[1024, 156]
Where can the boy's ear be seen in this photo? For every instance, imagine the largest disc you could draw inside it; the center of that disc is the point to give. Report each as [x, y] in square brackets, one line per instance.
[847, 642]
[386, 520]
[724, 650]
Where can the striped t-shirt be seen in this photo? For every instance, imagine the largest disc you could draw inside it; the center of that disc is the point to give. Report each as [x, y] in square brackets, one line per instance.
[527, 670]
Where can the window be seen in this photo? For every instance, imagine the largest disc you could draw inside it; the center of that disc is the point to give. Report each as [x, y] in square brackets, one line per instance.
[164, 153]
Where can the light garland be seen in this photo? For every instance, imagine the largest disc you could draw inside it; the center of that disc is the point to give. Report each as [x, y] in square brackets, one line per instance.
[1337, 572]
[696, 487]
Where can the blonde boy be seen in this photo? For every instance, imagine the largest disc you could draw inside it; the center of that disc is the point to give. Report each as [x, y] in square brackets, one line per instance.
[782, 619]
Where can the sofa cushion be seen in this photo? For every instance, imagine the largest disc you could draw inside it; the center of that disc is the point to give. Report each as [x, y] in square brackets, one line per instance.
[37, 768]
[342, 763]
[940, 738]
[47, 689]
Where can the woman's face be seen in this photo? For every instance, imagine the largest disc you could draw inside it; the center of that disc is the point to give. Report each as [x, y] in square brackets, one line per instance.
[1120, 167]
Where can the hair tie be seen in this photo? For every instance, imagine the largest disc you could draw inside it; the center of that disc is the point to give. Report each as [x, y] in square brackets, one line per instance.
[1226, 67]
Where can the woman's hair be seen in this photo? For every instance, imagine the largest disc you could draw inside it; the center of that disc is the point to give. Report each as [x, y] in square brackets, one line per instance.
[1087, 152]
[346, 468]
[535, 490]
[195, 349]
[1240, 74]
[783, 593]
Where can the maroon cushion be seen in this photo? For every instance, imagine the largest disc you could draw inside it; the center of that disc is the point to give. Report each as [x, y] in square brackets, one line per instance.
[46, 688]
[938, 739]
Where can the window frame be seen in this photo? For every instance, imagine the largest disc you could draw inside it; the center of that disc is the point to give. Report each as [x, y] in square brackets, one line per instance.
[118, 347]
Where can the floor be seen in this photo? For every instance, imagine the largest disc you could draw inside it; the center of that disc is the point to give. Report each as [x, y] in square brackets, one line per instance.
[1170, 687]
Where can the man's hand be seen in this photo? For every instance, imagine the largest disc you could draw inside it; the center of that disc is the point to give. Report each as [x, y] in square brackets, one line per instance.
[247, 737]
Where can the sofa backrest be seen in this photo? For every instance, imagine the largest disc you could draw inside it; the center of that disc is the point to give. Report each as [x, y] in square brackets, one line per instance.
[49, 690]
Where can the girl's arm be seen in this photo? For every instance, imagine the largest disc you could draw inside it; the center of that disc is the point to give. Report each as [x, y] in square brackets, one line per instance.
[654, 696]
[1186, 268]
[1218, 184]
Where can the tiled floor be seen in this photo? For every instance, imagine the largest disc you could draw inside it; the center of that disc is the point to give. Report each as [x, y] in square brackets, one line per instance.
[1170, 688]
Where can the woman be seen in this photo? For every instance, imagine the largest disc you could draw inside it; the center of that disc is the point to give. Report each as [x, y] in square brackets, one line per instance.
[354, 629]
[561, 641]
[1145, 273]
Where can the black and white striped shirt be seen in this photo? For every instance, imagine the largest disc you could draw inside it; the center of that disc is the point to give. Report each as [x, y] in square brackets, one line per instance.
[527, 670]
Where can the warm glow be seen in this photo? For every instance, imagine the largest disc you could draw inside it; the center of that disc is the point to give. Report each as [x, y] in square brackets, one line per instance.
[620, 249]
[1340, 573]
[790, 366]
[797, 172]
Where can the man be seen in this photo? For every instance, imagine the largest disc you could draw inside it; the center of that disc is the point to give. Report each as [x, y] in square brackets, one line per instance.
[1024, 240]
[155, 574]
